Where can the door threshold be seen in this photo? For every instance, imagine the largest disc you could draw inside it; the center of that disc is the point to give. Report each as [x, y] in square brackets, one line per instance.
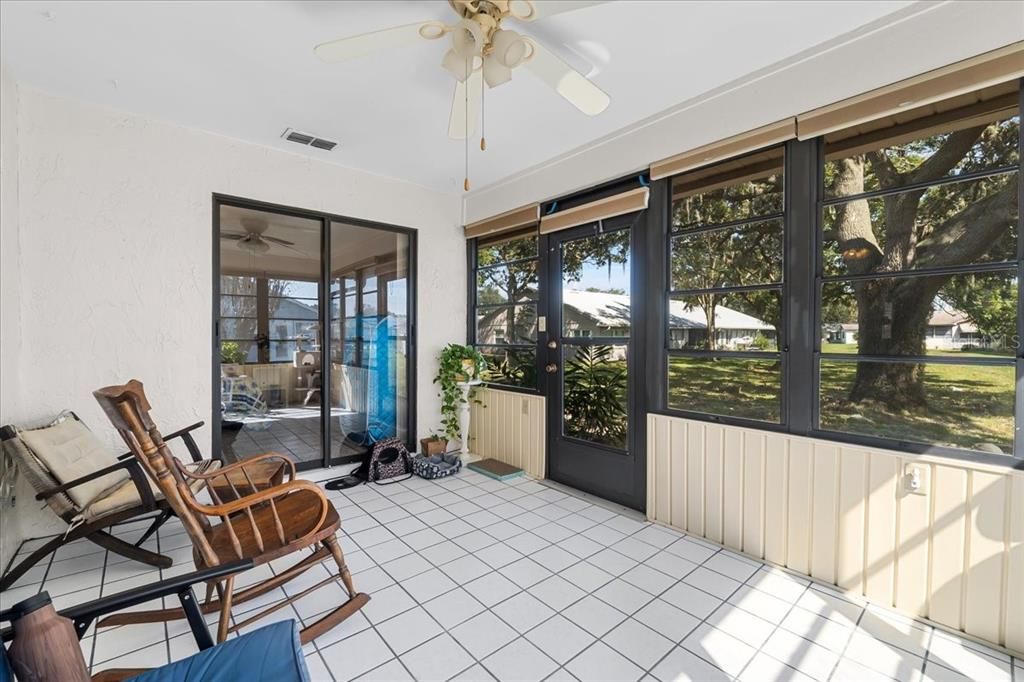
[594, 499]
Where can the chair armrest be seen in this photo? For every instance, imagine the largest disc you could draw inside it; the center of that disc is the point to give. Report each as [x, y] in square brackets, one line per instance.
[226, 469]
[130, 465]
[190, 443]
[84, 614]
[253, 499]
[186, 435]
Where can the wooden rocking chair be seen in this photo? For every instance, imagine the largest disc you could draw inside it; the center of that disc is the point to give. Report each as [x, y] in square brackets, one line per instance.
[260, 526]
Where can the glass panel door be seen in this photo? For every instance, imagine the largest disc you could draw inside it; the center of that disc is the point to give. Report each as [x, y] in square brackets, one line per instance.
[270, 337]
[370, 345]
[588, 362]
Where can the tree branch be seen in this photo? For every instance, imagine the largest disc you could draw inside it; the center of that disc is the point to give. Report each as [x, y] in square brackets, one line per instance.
[947, 156]
[884, 170]
[964, 237]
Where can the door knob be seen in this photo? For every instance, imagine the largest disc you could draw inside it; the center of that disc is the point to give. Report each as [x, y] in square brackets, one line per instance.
[551, 368]
[552, 344]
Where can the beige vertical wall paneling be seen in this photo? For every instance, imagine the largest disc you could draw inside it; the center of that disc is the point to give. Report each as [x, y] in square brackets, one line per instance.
[1015, 567]
[732, 489]
[841, 514]
[824, 506]
[880, 541]
[776, 485]
[853, 473]
[713, 482]
[983, 607]
[510, 427]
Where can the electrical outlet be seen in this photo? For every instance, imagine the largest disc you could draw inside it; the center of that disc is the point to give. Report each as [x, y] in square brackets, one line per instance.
[916, 478]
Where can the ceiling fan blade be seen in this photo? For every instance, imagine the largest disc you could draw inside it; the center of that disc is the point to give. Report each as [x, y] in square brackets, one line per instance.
[567, 81]
[232, 235]
[353, 47]
[457, 128]
[282, 242]
[547, 8]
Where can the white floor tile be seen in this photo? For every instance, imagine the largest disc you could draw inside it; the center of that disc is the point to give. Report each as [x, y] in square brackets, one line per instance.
[438, 659]
[318, 671]
[465, 569]
[557, 592]
[594, 616]
[560, 638]
[474, 674]
[527, 543]
[684, 666]
[498, 555]
[719, 648]
[763, 667]
[601, 662]
[483, 634]
[523, 611]
[635, 549]
[355, 655]
[525, 572]
[453, 608]
[491, 588]
[442, 552]
[691, 600]
[969, 661]
[667, 620]
[427, 585]
[671, 565]
[387, 603]
[730, 566]
[690, 550]
[407, 566]
[408, 630]
[761, 604]
[580, 545]
[742, 625]
[814, 661]
[612, 562]
[520, 661]
[392, 671]
[623, 596]
[648, 579]
[638, 643]
[712, 583]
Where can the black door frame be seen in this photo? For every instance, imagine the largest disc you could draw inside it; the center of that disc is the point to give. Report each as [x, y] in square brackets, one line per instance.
[602, 458]
[325, 219]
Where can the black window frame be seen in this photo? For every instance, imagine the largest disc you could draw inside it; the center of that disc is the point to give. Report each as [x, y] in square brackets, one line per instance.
[472, 262]
[800, 345]
[666, 352]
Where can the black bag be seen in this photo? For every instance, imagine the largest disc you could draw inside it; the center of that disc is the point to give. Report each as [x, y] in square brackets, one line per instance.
[389, 460]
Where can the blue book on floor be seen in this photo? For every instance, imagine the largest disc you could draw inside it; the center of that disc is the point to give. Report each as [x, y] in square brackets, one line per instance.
[495, 469]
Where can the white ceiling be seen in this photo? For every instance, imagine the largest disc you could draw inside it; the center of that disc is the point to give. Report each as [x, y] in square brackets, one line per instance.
[246, 70]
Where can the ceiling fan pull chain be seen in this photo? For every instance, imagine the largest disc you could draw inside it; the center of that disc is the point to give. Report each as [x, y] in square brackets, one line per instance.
[469, 64]
[483, 139]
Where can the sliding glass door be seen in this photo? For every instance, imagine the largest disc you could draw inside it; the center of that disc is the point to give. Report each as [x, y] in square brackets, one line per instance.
[312, 319]
[369, 290]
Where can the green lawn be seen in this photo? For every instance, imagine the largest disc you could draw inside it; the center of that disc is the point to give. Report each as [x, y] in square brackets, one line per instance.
[968, 405]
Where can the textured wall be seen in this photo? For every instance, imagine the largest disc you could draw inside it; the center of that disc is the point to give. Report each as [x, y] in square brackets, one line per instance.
[115, 250]
[840, 513]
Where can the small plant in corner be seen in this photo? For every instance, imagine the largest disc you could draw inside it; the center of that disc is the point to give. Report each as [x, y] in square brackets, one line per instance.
[456, 364]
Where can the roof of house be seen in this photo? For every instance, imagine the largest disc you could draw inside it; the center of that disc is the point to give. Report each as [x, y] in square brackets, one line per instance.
[612, 310]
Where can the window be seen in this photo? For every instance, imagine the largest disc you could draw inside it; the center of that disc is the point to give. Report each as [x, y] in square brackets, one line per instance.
[725, 269]
[919, 291]
[266, 319]
[505, 310]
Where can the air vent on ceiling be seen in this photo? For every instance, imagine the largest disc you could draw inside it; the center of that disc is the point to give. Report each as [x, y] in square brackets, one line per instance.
[308, 140]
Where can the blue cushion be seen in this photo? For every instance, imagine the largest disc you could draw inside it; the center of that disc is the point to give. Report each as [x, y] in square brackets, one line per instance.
[6, 674]
[272, 653]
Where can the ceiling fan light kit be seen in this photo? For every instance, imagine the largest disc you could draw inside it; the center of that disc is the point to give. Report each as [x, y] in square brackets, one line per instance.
[481, 50]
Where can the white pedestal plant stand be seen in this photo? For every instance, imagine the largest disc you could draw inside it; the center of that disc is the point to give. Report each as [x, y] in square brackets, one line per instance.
[466, 387]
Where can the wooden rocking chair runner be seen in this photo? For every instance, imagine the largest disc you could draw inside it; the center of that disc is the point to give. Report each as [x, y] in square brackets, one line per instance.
[260, 526]
[92, 518]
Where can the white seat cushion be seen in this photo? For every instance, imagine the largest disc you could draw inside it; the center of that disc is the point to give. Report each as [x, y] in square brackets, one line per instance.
[70, 451]
[126, 495]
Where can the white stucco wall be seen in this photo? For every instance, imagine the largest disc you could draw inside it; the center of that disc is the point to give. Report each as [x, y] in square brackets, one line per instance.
[9, 277]
[114, 224]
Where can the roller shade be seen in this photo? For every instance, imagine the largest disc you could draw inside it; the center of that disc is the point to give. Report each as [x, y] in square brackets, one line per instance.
[506, 222]
[971, 75]
[609, 207]
[980, 107]
[759, 164]
[737, 145]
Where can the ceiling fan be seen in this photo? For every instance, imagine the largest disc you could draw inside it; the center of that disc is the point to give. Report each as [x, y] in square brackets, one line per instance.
[483, 52]
[253, 240]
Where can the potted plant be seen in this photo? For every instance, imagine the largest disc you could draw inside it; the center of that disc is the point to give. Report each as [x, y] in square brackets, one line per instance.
[434, 444]
[456, 364]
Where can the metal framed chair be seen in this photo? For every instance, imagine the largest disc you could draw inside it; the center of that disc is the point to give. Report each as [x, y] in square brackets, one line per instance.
[132, 496]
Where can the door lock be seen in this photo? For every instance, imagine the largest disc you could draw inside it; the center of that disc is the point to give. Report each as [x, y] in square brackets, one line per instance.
[552, 344]
[551, 368]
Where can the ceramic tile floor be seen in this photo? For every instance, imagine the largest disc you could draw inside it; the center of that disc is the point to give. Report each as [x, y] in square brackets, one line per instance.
[474, 579]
